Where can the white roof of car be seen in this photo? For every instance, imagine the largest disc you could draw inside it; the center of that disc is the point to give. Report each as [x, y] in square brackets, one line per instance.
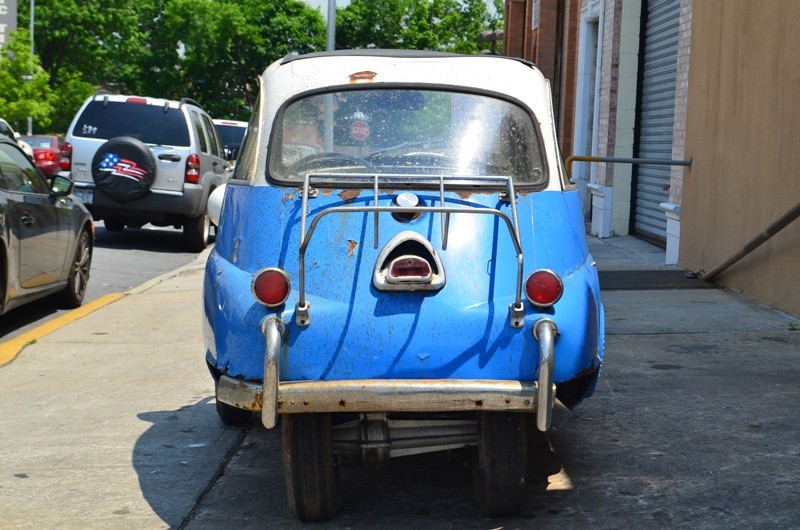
[500, 75]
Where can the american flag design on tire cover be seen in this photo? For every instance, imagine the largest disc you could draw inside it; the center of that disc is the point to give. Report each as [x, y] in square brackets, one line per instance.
[121, 167]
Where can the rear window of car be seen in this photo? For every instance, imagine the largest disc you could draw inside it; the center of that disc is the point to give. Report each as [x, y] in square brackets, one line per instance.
[419, 133]
[232, 135]
[46, 142]
[151, 124]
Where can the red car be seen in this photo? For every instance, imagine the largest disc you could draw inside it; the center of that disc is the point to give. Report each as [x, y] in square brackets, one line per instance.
[46, 153]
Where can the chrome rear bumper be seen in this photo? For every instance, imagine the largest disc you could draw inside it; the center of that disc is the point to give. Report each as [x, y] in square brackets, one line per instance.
[394, 395]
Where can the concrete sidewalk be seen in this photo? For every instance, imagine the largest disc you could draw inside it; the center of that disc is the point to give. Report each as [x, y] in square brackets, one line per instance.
[109, 422]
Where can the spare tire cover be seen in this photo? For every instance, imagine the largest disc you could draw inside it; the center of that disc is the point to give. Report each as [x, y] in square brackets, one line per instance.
[124, 168]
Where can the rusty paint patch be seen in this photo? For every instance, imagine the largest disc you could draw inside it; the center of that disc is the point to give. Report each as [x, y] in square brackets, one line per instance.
[350, 194]
[288, 197]
[362, 76]
[351, 246]
[327, 192]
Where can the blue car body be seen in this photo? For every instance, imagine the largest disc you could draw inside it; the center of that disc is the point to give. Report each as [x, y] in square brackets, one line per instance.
[360, 333]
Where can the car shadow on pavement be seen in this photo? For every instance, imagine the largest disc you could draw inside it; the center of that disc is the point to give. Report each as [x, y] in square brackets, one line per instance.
[150, 238]
[19, 319]
[180, 455]
[432, 490]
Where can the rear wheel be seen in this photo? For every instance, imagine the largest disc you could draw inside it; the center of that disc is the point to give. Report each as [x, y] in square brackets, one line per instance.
[72, 296]
[197, 232]
[312, 473]
[501, 471]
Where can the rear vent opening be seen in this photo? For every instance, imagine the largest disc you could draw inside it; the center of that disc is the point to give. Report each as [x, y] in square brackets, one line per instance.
[414, 248]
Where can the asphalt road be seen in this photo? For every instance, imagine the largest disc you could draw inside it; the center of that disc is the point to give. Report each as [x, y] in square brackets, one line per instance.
[121, 261]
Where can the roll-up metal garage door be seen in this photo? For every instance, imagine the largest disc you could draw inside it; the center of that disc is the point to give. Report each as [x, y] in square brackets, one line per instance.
[656, 115]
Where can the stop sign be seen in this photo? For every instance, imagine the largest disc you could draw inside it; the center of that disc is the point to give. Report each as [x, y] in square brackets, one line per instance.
[359, 130]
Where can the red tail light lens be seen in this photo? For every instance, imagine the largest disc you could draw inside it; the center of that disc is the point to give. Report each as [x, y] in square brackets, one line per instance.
[192, 175]
[45, 154]
[543, 288]
[66, 157]
[409, 269]
[271, 286]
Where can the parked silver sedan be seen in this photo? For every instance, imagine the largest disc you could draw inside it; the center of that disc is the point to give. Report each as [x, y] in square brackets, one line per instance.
[46, 235]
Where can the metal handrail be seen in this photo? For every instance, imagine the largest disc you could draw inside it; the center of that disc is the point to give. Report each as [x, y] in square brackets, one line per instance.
[302, 307]
[754, 243]
[617, 160]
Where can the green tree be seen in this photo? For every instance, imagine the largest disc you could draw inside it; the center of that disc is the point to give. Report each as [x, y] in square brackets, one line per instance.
[24, 89]
[84, 45]
[438, 25]
[213, 50]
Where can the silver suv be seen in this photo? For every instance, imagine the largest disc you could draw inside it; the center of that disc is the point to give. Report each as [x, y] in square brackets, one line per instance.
[138, 160]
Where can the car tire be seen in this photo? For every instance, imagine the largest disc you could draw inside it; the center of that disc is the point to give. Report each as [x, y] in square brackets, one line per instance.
[501, 471]
[197, 232]
[80, 267]
[113, 224]
[124, 168]
[310, 467]
[231, 415]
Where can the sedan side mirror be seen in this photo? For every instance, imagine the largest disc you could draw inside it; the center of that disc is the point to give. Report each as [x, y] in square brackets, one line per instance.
[61, 187]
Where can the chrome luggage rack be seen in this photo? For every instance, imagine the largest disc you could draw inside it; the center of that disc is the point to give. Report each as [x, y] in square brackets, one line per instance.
[302, 309]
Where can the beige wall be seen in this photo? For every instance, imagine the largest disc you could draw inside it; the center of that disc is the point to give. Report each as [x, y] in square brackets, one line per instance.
[743, 135]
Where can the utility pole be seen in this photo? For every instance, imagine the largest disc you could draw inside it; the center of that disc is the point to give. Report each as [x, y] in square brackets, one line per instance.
[30, 118]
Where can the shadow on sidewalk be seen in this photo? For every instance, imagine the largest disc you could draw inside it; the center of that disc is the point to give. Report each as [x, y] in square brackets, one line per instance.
[180, 455]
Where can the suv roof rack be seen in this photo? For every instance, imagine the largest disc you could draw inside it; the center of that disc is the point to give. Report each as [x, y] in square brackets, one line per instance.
[190, 101]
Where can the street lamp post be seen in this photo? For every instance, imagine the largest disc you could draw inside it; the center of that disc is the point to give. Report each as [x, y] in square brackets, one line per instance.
[493, 37]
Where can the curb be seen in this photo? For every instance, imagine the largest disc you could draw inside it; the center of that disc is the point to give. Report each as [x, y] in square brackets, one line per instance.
[9, 350]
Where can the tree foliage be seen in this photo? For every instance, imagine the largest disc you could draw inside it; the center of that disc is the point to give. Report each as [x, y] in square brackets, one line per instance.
[440, 25]
[24, 85]
[208, 50]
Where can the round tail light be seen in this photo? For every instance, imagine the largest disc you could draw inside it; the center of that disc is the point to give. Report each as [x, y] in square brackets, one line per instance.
[271, 286]
[543, 288]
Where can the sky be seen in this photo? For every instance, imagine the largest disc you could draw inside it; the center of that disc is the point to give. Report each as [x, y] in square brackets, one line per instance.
[323, 5]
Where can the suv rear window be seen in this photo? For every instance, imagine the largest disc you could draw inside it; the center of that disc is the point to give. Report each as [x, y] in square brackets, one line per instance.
[150, 124]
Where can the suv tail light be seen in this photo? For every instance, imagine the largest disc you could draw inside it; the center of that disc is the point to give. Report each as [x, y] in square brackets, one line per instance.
[66, 157]
[271, 286]
[543, 288]
[192, 175]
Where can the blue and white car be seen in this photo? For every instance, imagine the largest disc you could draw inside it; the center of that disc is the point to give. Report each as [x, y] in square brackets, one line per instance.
[401, 267]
